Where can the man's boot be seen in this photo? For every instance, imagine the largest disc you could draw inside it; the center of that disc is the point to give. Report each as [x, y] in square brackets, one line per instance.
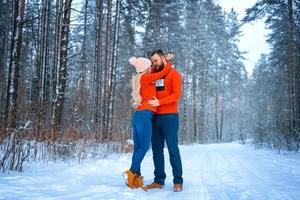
[154, 186]
[177, 187]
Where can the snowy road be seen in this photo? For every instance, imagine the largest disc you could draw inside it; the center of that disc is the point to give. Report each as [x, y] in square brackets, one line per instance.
[215, 171]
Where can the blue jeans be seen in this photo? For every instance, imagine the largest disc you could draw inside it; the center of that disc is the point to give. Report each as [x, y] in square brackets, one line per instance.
[142, 129]
[165, 127]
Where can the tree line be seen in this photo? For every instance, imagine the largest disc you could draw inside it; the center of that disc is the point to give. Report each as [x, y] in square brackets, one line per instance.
[275, 84]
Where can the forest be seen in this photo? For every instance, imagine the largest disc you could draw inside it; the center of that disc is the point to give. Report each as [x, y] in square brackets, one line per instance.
[65, 75]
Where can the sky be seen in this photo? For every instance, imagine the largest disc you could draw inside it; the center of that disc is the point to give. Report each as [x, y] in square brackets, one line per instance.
[253, 39]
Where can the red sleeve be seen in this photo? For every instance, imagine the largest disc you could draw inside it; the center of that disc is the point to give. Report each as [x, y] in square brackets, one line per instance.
[176, 94]
[148, 78]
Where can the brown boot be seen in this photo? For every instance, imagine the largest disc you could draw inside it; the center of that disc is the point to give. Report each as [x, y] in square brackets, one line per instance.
[129, 178]
[138, 182]
[154, 186]
[177, 187]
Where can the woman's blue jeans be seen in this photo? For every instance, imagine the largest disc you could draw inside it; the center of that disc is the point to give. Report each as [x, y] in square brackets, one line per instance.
[142, 131]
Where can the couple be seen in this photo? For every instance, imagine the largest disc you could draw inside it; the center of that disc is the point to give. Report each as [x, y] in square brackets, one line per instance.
[155, 95]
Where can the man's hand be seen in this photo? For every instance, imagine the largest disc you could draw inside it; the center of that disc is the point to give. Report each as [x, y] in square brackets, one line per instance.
[154, 102]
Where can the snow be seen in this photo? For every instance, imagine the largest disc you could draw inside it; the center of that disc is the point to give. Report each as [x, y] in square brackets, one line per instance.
[11, 89]
[129, 141]
[214, 171]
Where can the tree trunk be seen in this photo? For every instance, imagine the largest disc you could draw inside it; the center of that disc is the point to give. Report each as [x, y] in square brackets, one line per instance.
[14, 64]
[297, 96]
[62, 67]
[194, 89]
[217, 102]
[98, 65]
[113, 69]
[58, 11]
[42, 64]
[293, 81]
[216, 115]
[157, 26]
[185, 96]
[4, 58]
[83, 66]
[290, 69]
[106, 84]
[202, 102]
[81, 109]
[222, 118]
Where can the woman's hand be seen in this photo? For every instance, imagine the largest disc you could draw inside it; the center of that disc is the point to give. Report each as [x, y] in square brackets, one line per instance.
[163, 59]
[170, 57]
[154, 102]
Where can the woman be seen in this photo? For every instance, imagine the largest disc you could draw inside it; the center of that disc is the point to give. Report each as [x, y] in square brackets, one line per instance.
[143, 90]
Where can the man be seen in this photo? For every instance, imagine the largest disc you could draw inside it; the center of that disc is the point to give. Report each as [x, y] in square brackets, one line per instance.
[165, 124]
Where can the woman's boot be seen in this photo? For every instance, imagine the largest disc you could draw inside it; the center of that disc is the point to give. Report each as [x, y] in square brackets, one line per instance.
[129, 177]
[139, 182]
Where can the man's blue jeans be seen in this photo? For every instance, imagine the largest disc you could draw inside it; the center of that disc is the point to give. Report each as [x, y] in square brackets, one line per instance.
[142, 129]
[165, 127]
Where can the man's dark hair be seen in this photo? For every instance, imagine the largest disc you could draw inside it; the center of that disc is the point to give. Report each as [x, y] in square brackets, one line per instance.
[158, 51]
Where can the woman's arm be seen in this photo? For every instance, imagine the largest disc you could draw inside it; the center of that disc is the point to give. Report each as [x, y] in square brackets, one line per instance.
[158, 75]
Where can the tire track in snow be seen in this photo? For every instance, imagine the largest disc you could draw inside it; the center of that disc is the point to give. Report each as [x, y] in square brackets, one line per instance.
[253, 186]
[257, 169]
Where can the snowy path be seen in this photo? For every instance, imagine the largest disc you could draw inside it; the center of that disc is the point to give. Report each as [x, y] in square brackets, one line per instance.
[215, 171]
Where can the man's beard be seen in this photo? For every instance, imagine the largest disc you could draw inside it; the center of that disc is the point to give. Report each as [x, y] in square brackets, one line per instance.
[159, 68]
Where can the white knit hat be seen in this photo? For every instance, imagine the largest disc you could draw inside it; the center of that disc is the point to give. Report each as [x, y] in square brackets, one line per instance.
[140, 64]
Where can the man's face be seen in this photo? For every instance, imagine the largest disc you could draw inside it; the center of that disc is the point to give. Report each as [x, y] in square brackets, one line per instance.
[157, 62]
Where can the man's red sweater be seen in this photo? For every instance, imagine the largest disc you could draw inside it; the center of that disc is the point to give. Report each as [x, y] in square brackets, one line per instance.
[170, 94]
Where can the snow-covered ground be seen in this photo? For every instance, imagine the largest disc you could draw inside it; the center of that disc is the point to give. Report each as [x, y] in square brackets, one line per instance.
[215, 171]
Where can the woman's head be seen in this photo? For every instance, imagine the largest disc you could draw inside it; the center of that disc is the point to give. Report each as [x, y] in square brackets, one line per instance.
[141, 64]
